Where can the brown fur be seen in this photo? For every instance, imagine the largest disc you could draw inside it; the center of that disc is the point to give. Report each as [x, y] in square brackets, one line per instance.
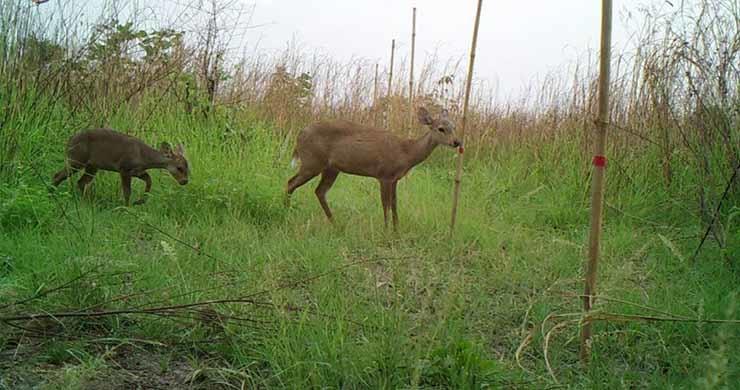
[109, 150]
[330, 147]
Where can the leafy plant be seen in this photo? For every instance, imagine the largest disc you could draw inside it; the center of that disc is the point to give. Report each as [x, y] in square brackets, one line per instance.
[459, 364]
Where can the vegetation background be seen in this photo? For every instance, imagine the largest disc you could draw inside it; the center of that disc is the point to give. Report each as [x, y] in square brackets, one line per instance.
[216, 285]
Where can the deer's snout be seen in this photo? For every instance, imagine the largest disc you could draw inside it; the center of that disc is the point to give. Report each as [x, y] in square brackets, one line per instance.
[183, 181]
[456, 143]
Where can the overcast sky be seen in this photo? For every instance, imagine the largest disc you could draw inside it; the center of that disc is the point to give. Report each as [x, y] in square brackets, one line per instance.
[518, 39]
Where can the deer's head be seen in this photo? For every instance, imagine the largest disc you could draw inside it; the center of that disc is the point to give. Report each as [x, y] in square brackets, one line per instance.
[443, 130]
[177, 164]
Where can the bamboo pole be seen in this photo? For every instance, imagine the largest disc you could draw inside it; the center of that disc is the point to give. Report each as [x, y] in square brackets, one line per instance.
[597, 184]
[375, 96]
[411, 75]
[390, 84]
[458, 175]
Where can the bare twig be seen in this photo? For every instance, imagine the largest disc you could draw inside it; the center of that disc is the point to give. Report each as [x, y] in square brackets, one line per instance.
[546, 347]
[716, 211]
[46, 292]
[604, 316]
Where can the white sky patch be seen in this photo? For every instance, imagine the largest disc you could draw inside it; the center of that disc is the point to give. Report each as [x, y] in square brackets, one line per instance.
[520, 41]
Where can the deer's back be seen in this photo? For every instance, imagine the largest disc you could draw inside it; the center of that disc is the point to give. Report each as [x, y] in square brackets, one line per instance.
[104, 149]
[350, 147]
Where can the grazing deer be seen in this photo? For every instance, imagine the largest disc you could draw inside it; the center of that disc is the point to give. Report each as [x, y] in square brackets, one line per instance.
[109, 150]
[330, 147]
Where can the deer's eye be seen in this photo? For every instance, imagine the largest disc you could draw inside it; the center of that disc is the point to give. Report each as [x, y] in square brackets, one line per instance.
[441, 129]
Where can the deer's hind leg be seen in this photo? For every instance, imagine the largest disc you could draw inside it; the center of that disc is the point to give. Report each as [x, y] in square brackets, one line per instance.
[62, 175]
[327, 180]
[70, 168]
[306, 173]
[86, 178]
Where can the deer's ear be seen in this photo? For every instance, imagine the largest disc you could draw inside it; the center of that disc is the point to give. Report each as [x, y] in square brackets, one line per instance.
[165, 148]
[179, 149]
[424, 116]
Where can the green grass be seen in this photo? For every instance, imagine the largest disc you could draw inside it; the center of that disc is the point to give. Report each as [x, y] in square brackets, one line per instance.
[417, 309]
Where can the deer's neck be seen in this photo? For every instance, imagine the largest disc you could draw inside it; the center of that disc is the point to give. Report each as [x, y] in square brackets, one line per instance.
[420, 148]
[153, 158]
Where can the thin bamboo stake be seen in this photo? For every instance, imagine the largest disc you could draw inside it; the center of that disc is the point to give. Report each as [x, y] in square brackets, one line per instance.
[390, 84]
[375, 96]
[458, 175]
[411, 76]
[597, 185]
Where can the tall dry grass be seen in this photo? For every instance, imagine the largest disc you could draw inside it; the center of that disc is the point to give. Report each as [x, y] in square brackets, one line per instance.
[675, 92]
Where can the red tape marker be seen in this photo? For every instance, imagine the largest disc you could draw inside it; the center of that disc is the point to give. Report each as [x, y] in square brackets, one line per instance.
[461, 150]
[599, 161]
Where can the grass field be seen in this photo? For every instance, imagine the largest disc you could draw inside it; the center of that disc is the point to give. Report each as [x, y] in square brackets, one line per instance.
[353, 305]
[218, 285]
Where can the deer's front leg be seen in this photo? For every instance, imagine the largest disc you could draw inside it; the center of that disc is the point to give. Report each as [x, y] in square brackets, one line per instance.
[126, 187]
[148, 187]
[393, 203]
[385, 199]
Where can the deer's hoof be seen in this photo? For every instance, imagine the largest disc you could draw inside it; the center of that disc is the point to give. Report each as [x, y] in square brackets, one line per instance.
[140, 202]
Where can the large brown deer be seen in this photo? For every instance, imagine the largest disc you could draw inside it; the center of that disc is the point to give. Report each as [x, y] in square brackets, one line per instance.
[109, 150]
[330, 147]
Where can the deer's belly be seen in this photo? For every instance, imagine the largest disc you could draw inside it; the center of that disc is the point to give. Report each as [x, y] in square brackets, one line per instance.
[377, 171]
[366, 161]
[105, 163]
[355, 170]
[105, 166]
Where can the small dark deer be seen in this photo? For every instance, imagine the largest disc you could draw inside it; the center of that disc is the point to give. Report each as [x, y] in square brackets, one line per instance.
[330, 147]
[109, 150]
